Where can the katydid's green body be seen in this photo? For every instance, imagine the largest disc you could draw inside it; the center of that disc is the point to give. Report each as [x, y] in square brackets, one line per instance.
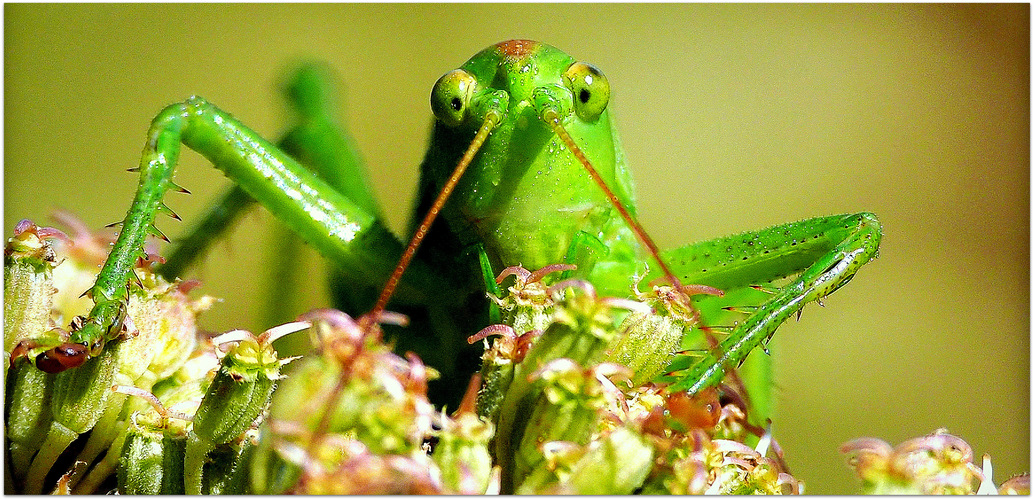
[525, 200]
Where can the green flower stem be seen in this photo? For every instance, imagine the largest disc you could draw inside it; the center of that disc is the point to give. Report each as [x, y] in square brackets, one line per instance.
[194, 463]
[58, 438]
[102, 469]
[106, 430]
[226, 473]
[616, 464]
[582, 330]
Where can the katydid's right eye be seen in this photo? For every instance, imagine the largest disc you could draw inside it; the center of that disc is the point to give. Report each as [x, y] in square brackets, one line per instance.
[590, 89]
[450, 97]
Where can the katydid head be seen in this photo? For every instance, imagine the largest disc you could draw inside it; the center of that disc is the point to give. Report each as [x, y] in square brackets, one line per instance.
[527, 197]
[525, 72]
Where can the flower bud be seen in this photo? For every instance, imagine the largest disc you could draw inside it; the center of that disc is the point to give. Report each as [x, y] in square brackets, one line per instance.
[462, 453]
[939, 463]
[616, 463]
[29, 261]
[348, 420]
[151, 463]
[649, 339]
[238, 394]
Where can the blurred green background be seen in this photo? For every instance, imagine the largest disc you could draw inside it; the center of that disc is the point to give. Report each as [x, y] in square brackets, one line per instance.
[734, 117]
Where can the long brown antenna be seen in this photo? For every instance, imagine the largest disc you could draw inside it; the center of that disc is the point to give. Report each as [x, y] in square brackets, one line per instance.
[552, 119]
[491, 120]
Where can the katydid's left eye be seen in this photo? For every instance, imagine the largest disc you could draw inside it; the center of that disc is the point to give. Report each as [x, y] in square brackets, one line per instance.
[450, 97]
[590, 88]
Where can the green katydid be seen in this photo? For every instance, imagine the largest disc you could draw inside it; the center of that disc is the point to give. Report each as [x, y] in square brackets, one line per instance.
[532, 127]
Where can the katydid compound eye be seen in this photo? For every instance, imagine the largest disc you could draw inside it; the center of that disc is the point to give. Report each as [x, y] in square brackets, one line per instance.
[450, 97]
[590, 88]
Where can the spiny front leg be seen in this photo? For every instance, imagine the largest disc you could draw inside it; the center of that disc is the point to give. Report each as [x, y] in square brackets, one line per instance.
[826, 251]
[345, 233]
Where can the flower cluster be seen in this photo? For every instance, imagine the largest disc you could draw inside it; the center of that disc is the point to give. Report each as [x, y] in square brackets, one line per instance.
[568, 383]
[45, 273]
[936, 464]
[575, 396]
[356, 420]
[166, 410]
